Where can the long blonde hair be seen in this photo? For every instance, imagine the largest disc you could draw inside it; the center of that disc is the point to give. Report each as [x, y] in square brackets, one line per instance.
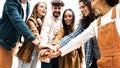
[34, 12]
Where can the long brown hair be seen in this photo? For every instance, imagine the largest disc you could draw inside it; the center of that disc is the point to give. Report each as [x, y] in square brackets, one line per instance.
[34, 12]
[86, 20]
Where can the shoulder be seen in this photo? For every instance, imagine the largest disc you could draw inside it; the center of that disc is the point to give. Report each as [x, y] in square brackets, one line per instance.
[31, 19]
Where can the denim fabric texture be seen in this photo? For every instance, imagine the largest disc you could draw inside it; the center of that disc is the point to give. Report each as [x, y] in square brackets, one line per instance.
[12, 24]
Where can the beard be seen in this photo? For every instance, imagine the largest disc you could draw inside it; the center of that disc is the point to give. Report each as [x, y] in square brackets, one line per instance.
[56, 14]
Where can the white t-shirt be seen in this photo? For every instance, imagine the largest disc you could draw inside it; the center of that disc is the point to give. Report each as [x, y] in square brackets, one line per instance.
[24, 6]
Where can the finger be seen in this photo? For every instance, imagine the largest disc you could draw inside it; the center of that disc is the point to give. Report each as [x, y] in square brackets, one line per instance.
[43, 52]
[40, 52]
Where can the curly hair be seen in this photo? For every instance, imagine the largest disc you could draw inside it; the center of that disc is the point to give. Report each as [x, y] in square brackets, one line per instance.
[86, 20]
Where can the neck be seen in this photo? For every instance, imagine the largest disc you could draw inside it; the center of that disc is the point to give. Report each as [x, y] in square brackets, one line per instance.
[105, 9]
[39, 16]
[24, 1]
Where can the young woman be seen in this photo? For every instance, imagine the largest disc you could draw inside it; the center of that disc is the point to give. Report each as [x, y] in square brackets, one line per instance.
[73, 59]
[107, 30]
[34, 23]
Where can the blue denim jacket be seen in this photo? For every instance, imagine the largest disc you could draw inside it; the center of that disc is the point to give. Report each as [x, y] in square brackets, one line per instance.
[12, 24]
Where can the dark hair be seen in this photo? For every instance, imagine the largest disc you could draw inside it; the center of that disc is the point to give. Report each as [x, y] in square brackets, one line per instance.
[112, 2]
[86, 20]
[57, 3]
[68, 29]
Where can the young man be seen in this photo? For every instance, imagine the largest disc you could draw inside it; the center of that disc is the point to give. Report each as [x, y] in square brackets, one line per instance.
[51, 25]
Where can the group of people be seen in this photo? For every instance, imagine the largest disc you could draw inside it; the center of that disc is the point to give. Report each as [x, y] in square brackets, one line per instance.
[106, 29]
[56, 43]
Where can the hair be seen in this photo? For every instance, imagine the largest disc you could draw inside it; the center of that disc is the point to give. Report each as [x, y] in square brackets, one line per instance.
[34, 13]
[86, 20]
[57, 3]
[112, 2]
[68, 28]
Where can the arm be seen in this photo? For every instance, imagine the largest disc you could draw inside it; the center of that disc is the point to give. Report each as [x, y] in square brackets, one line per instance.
[78, 40]
[34, 29]
[58, 36]
[14, 15]
[69, 37]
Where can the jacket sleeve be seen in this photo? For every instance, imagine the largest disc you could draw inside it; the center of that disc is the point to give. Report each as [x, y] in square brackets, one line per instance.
[33, 28]
[13, 11]
[58, 36]
[69, 37]
[79, 40]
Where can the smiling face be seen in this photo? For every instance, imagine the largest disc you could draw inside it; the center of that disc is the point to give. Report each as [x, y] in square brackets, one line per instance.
[41, 9]
[84, 9]
[56, 10]
[68, 17]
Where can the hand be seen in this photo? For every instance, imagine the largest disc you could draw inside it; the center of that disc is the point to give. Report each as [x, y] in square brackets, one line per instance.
[57, 46]
[47, 46]
[54, 54]
[42, 55]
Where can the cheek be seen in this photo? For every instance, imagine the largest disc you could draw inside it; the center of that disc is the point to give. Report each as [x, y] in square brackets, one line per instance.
[86, 12]
[39, 12]
[95, 4]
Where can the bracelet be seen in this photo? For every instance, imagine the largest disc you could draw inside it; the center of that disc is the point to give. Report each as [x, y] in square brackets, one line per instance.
[38, 44]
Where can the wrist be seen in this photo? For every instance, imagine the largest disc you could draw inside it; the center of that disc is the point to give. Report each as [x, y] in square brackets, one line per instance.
[38, 44]
[59, 52]
[58, 46]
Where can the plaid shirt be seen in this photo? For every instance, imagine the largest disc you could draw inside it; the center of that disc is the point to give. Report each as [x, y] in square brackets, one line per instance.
[88, 45]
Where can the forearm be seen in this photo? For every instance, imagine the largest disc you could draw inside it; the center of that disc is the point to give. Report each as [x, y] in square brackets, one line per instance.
[69, 37]
[17, 21]
[77, 41]
[33, 27]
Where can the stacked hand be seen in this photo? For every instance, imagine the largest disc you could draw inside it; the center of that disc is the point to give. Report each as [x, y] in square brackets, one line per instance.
[51, 52]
